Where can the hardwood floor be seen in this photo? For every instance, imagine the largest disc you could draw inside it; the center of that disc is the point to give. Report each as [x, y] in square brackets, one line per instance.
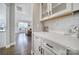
[22, 47]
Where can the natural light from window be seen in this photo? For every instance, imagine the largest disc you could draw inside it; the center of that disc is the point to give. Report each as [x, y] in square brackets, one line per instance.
[22, 26]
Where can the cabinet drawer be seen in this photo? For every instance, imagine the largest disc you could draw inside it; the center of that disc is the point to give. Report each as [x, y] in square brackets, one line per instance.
[54, 47]
[47, 51]
[72, 52]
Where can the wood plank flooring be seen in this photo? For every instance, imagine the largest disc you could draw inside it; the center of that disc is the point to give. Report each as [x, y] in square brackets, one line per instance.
[22, 47]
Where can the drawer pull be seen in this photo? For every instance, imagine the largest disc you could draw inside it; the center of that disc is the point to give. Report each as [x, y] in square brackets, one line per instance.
[49, 46]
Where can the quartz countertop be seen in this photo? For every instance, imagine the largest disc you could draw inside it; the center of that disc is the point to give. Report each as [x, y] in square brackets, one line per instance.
[64, 40]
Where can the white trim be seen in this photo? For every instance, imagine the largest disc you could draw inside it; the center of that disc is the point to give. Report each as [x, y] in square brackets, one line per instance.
[8, 46]
[2, 46]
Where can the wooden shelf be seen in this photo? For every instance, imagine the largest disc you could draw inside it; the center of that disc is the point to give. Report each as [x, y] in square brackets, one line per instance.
[58, 14]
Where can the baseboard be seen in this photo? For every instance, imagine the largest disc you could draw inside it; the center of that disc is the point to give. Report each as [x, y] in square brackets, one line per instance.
[13, 43]
[2, 46]
[8, 46]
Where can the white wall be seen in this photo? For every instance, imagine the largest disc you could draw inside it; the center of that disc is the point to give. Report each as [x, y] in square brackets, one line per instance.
[2, 20]
[2, 13]
[12, 23]
[2, 39]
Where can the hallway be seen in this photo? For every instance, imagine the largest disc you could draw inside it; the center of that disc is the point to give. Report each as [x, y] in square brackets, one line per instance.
[22, 47]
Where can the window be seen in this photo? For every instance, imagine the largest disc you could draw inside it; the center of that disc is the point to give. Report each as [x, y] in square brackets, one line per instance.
[22, 26]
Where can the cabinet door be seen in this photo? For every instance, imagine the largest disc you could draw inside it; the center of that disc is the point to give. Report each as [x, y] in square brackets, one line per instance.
[72, 52]
[49, 9]
[37, 46]
[58, 7]
[55, 48]
[47, 51]
[45, 9]
[75, 6]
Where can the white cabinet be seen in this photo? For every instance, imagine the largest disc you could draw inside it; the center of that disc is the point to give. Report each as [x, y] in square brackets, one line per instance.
[46, 51]
[54, 10]
[71, 52]
[37, 46]
[75, 6]
[50, 9]
[58, 7]
[55, 48]
[44, 46]
[45, 9]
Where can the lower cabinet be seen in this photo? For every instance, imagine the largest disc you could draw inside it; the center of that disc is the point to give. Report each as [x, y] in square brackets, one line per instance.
[47, 47]
[71, 52]
[55, 48]
[46, 51]
[37, 46]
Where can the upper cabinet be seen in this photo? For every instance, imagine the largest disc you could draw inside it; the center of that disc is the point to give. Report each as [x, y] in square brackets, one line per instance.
[75, 6]
[60, 7]
[53, 10]
[44, 10]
